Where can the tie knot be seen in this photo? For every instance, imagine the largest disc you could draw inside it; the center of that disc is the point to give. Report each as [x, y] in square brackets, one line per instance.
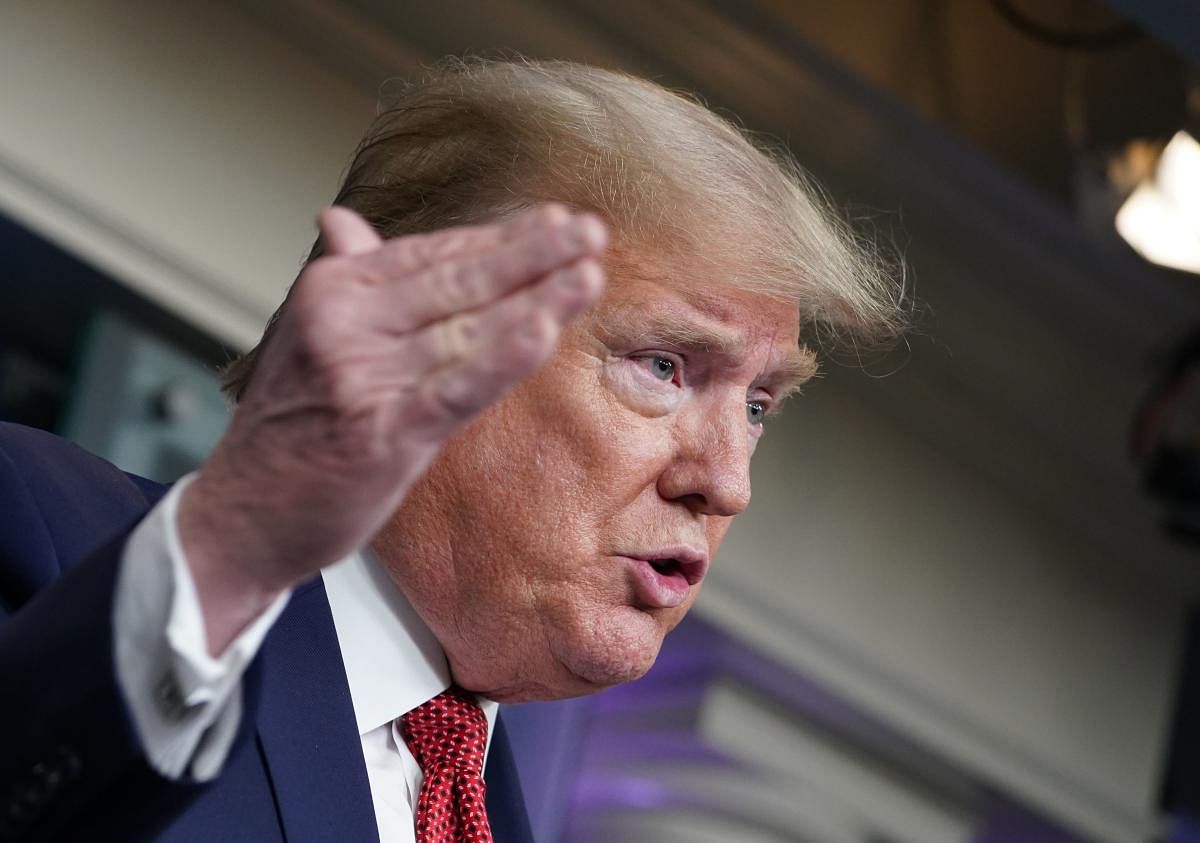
[448, 731]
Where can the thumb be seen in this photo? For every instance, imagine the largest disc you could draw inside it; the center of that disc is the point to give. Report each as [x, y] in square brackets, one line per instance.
[346, 233]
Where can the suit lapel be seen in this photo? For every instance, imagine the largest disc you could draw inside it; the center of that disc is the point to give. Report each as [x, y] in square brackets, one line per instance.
[306, 727]
[505, 802]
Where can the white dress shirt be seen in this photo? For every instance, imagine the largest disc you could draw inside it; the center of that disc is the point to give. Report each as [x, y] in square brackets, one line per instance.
[186, 705]
[393, 664]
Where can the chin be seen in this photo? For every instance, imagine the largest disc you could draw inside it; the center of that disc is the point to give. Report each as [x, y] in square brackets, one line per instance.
[609, 653]
[590, 655]
[568, 672]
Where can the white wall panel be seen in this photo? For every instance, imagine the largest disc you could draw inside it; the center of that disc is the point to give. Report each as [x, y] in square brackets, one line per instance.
[874, 563]
[180, 146]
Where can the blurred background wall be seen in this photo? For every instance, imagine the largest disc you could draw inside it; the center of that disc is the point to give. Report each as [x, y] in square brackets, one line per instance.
[964, 617]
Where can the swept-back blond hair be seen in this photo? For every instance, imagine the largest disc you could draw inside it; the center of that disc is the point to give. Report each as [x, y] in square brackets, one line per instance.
[480, 139]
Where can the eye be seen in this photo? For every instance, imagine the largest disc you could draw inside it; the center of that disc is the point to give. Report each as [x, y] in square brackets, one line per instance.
[756, 412]
[661, 368]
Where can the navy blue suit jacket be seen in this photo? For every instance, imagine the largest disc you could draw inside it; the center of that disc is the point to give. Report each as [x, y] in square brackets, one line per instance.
[71, 766]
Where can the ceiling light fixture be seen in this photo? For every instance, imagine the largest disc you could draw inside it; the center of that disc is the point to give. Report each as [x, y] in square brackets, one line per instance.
[1161, 218]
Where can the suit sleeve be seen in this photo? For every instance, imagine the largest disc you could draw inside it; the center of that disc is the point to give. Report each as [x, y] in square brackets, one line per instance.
[71, 750]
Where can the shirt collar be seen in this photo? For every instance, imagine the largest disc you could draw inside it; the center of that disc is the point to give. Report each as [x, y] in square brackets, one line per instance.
[393, 662]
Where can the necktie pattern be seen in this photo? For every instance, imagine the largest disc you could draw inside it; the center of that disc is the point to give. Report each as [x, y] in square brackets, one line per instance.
[447, 736]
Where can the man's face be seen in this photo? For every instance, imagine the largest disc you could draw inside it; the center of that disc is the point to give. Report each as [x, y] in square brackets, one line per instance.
[554, 542]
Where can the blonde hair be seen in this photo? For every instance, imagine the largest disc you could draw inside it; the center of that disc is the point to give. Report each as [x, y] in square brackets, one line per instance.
[479, 139]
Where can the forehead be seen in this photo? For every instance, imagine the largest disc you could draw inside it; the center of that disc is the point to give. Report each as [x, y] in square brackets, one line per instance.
[690, 309]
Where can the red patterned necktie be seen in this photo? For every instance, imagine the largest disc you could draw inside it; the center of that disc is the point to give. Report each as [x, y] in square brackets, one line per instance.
[447, 736]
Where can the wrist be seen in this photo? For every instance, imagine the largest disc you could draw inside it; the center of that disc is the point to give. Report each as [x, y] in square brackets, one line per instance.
[226, 564]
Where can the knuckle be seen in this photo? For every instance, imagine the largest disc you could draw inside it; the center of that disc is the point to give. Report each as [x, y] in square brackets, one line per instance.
[428, 250]
[447, 243]
[415, 248]
[458, 335]
[453, 286]
[529, 345]
[464, 283]
[455, 398]
[344, 387]
[431, 248]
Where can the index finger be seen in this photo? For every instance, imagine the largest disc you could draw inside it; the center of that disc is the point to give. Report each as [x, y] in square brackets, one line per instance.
[399, 256]
[472, 280]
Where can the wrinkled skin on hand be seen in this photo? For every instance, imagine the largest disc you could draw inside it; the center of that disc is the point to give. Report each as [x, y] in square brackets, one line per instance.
[385, 351]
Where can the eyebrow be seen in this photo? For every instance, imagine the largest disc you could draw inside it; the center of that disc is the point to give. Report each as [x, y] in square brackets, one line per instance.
[681, 333]
[795, 370]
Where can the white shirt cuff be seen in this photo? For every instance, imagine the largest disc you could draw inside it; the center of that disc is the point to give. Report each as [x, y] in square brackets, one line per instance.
[186, 704]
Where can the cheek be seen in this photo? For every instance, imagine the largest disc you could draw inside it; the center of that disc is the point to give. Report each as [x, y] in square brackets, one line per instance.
[551, 468]
[604, 443]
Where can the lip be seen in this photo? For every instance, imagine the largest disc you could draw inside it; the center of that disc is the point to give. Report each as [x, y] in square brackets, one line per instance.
[667, 590]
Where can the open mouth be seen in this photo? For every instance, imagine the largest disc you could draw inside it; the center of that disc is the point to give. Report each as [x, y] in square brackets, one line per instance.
[664, 579]
[665, 566]
[687, 567]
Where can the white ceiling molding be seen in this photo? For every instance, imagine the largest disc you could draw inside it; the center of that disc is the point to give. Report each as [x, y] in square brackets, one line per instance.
[125, 254]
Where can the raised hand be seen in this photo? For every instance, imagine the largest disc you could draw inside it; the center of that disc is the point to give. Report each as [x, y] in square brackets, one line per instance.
[384, 351]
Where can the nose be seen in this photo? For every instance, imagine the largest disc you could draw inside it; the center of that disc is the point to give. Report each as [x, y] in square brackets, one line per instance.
[709, 471]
